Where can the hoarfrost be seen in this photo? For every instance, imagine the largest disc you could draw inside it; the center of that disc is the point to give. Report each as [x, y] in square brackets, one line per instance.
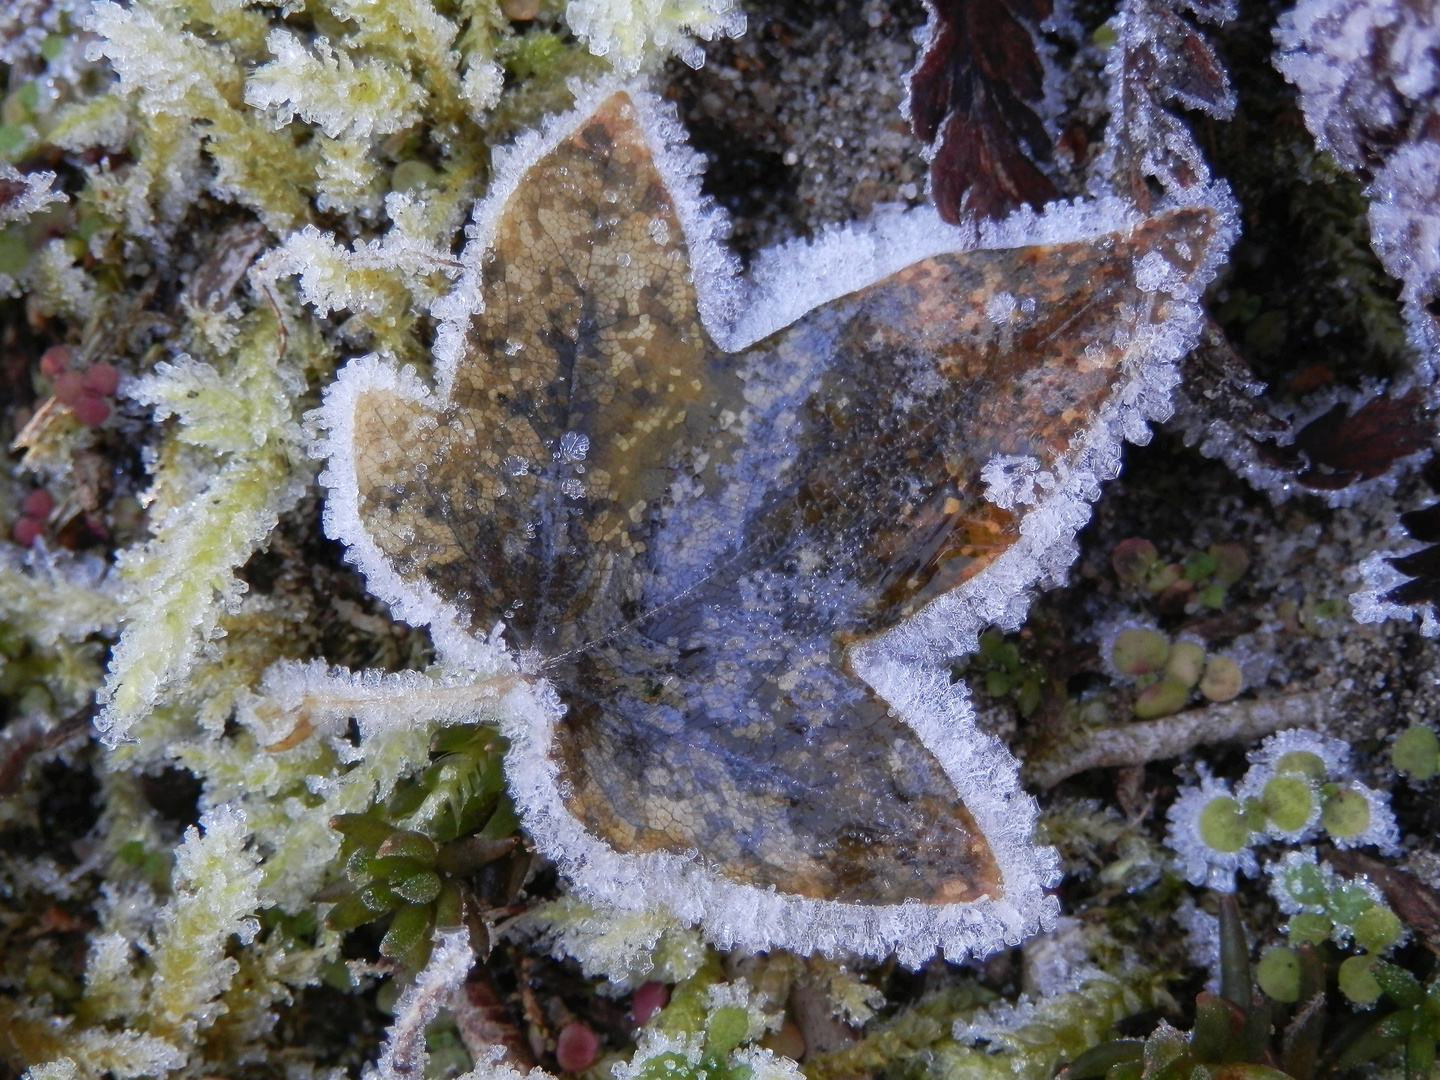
[216, 895]
[1368, 73]
[162, 67]
[1012, 481]
[482, 84]
[25, 24]
[624, 947]
[1202, 939]
[631, 32]
[328, 89]
[1369, 604]
[326, 699]
[1200, 863]
[60, 1069]
[405, 1054]
[23, 194]
[1405, 218]
[1158, 58]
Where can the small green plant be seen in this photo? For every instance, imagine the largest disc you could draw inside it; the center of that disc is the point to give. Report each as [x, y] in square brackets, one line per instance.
[1004, 673]
[405, 863]
[1288, 1028]
[1201, 579]
[1297, 789]
[1416, 752]
[1324, 906]
[1169, 674]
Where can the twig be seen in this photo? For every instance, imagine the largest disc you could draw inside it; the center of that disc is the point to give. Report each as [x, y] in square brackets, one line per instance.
[1155, 740]
[404, 1055]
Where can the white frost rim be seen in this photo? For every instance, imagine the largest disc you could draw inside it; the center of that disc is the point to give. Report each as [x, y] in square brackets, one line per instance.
[906, 664]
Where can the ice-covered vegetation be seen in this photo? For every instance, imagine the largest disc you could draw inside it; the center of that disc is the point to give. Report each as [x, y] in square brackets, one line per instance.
[263, 813]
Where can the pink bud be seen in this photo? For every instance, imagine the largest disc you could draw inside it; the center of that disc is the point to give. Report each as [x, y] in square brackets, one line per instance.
[101, 378]
[649, 999]
[38, 504]
[69, 387]
[577, 1047]
[56, 360]
[26, 530]
[90, 410]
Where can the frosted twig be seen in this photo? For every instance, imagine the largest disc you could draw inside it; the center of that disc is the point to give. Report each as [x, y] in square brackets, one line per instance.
[404, 1054]
[1136, 744]
[297, 699]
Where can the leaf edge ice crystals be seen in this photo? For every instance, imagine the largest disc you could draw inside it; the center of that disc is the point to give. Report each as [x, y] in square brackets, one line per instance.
[906, 665]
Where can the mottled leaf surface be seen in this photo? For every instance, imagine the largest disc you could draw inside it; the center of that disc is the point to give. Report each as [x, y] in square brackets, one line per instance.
[690, 538]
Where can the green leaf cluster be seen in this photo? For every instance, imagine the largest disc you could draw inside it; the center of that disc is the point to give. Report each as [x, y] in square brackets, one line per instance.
[1201, 577]
[1004, 673]
[1291, 1029]
[457, 818]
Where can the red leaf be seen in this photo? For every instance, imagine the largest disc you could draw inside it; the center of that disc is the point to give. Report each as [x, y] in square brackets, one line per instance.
[974, 97]
[1345, 449]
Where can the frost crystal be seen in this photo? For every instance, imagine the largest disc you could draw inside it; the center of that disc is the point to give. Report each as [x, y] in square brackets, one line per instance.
[630, 32]
[484, 80]
[23, 194]
[1202, 939]
[1368, 74]
[1012, 481]
[330, 90]
[1201, 863]
[404, 1054]
[627, 948]
[216, 895]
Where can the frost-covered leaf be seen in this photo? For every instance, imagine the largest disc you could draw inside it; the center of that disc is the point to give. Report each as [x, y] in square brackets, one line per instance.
[683, 501]
[1404, 582]
[1347, 445]
[1159, 58]
[977, 97]
[1368, 74]
[1366, 71]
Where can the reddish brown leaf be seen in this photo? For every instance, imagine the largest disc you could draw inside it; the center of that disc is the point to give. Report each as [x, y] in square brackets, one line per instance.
[1162, 58]
[1423, 566]
[1340, 448]
[1344, 449]
[974, 98]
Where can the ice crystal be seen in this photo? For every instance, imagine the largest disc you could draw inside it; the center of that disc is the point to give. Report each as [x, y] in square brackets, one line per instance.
[173, 584]
[328, 89]
[1367, 75]
[1159, 59]
[626, 948]
[1200, 862]
[23, 194]
[405, 1053]
[629, 32]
